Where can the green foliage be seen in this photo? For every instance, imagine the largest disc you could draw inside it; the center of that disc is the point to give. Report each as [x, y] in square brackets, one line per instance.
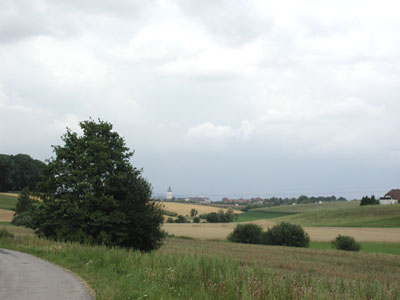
[286, 234]
[169, 213]
[347, 243]
[246, 233]
[92, 194]
[5, 234]
[170, 220]
[196, 220]
[181, 219]
[19, 171]
[193, 212]
[220, 216]
[24, 209]
[369, 200]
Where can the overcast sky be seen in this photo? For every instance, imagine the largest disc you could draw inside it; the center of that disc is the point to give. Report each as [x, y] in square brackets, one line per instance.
[224, 98]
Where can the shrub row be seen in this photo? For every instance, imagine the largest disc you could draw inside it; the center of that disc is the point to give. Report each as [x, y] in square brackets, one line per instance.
[283, 234]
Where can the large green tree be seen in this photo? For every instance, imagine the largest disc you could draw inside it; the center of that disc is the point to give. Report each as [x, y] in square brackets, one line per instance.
[92, 194]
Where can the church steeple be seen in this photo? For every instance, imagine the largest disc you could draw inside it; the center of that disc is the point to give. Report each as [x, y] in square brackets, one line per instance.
[169, 194]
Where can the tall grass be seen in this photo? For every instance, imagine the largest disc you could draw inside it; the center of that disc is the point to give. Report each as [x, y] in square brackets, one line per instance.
[184, 269]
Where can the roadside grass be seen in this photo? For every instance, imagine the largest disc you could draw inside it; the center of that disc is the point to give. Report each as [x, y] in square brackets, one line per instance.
[301, 208]
[16, 230]
[194, 269]
[368, 247]
[8, 201]
[253, 215]
[382, 216]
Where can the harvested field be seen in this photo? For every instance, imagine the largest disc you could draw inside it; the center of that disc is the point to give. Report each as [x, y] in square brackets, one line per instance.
[219, 231]
[6, 215]
[10, 194]
[184, 208]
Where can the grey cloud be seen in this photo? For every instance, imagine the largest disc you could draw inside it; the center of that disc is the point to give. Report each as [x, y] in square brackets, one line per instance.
[232, 22]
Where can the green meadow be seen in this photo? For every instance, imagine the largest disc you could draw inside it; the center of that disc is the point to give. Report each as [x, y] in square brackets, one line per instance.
[358, 216]
[8, 201]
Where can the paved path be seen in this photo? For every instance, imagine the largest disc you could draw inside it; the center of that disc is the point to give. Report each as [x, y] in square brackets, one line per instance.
[25, 277]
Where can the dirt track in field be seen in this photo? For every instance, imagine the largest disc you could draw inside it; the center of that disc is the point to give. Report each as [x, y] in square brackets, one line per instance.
[220, 231]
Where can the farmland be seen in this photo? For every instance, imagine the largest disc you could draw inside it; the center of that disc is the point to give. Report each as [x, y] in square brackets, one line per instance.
[6, 215]
[358, 216]
[8, 200]
[196, 269]
[219, 231]
[302, 208]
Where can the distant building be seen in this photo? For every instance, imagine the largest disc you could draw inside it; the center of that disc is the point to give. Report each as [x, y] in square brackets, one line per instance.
[392, 197]
[200, 200]
[236, 201]
[169, 194]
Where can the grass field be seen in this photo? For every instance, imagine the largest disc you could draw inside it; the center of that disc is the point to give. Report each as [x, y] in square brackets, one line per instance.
[301, 208]
[195, 269]
[359, 216]
[219, 231]
[185, 208]
[253, 215]
[8, 200]
[369, 247]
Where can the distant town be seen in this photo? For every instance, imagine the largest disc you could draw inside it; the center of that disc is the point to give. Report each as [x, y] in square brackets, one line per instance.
[391, 197]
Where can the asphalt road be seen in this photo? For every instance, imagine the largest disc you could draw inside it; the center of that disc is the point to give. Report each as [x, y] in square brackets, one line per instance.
[25, 277]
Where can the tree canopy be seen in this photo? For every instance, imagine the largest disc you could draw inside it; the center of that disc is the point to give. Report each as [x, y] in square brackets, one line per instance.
[18, 172]
[91, 193]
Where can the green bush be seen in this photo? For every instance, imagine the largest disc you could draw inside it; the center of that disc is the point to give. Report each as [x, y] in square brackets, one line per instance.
[170, 220]
[169, 213]
[196, 220]
[23, 219]
[246, 233]
[5, 234]
[286, 234]
[347, 243]
[181, 219]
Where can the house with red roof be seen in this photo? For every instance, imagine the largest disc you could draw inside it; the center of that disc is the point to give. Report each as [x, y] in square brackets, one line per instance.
[391, 197]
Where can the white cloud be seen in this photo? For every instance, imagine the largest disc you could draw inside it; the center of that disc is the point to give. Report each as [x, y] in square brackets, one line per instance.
[210, 131]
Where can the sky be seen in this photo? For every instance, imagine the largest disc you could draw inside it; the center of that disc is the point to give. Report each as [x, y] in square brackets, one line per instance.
[216, 97]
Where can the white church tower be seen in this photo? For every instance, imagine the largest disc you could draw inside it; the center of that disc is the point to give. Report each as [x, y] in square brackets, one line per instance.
[169, 194]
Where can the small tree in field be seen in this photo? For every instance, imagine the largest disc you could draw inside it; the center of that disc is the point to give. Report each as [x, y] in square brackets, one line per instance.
[91, 193]
[193, 212]
[286, 234]
[24, 209]
[347, 243]
[246, 233]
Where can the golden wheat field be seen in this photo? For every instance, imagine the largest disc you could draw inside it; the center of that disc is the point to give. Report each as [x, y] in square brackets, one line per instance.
[6, 215]
[185, 208]
[219, 231]
[10, 194]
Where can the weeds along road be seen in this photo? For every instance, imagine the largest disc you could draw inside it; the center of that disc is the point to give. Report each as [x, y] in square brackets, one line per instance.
[25, 277]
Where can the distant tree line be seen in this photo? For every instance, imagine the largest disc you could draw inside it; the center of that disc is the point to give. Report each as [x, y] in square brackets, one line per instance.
[369, 200]
[19, 171]
[277, 201]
